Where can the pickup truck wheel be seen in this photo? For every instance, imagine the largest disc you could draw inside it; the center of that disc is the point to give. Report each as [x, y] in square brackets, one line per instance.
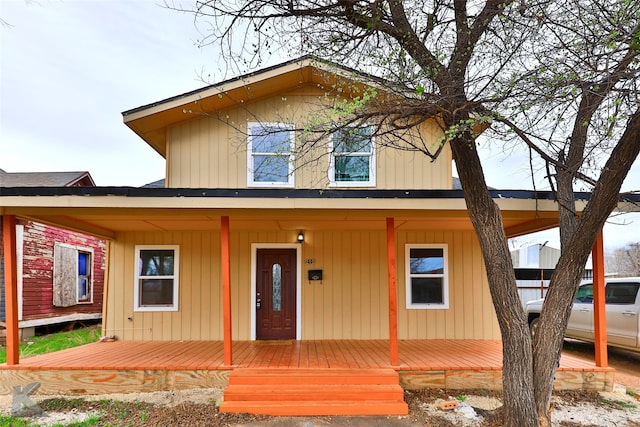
[533, 327]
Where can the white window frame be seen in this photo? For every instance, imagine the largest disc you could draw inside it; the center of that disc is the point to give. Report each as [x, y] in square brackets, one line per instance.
[250, 154]
[88, 251]
[176, 275]
[372, 164]
[444, 276]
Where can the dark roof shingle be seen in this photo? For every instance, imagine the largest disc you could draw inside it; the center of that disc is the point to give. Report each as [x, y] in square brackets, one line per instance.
[46, 179]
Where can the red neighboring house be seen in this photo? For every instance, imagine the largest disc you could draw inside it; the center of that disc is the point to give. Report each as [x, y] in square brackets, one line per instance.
[60, 272]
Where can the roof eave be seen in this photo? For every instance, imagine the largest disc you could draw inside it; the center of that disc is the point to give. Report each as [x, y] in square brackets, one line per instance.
[151, 121]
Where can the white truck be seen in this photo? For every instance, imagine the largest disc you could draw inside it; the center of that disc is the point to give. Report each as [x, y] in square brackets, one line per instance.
[622, 302]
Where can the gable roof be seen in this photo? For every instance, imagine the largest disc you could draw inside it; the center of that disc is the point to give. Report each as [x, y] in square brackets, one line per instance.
[46, 179]
[150, 121]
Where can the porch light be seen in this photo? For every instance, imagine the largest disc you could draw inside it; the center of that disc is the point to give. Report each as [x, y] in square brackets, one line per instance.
[300, 237]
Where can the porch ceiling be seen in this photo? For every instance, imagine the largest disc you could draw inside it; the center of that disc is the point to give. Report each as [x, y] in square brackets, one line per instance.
[105, 222]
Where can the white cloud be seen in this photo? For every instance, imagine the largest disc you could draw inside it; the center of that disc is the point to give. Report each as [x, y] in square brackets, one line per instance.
[68, 69]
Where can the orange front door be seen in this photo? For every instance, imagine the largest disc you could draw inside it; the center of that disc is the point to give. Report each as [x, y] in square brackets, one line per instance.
[276, 294]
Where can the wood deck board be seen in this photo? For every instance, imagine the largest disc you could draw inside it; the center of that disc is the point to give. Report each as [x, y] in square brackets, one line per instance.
[193, 355]
[340, 359]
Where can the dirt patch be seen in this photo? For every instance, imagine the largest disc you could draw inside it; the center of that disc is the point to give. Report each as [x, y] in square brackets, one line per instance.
[199, 407]
[115, 413]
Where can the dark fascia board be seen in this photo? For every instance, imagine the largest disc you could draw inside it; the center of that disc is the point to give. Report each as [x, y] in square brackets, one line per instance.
[284, 193]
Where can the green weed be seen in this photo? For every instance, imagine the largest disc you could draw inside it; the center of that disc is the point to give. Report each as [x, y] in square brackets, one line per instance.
[6, 421]
[55, 342]
[92, 420]
[619, 404]
[60, 404]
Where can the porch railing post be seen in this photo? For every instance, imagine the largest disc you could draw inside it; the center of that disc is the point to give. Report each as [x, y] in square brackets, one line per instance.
[11, 288]
[225, 258]
[599, 312]
[393, 293]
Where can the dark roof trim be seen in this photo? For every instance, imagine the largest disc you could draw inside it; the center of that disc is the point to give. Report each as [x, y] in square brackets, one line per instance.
[282, 193]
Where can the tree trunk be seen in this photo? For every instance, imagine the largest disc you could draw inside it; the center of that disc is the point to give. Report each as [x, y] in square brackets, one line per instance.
[517, 370]
[560, 295]
[576, 247]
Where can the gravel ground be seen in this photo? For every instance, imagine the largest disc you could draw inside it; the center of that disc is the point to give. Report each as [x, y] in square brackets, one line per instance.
[198, 407]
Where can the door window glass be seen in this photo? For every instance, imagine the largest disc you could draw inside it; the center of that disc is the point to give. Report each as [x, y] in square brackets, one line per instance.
[276, 274]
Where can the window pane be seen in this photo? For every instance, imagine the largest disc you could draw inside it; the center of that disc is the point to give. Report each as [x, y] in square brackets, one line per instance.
[270, 168]
[352, 168]
[426, 290]
[276, 278]
[356, 140]
[156, 262]
[156, 291]
[83, 289]
[585, 294]
[270, 140]
[83, 262]
[427, 261]
[621, 293]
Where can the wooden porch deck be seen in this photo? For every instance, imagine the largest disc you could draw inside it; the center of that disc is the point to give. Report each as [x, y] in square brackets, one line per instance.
[120, 366]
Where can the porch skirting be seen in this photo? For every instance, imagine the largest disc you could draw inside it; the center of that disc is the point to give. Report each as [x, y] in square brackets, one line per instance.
[136, 366]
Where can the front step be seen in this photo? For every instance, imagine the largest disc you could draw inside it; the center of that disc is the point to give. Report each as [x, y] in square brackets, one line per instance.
[328, 408]
[307, 392]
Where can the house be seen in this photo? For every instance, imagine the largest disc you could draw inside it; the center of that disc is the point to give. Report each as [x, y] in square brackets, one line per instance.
[60, 272]
[533, 267]
[270, 246]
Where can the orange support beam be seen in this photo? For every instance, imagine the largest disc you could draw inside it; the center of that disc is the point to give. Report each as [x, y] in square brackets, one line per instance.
[225, 257]
[11, 288]
[393, 292]
[599, 312]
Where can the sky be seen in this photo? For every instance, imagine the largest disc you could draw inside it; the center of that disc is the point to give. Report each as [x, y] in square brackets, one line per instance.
[69, 68]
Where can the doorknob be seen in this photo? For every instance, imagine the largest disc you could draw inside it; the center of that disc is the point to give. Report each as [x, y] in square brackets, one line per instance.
[258, 303]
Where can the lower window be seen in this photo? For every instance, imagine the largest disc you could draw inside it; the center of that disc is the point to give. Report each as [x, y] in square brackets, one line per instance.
[84, 277]
[426, 276]
[156, 281]
[72, 275]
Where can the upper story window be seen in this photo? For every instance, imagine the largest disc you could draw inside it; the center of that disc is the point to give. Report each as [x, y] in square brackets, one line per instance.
[352, 159]
[156, 281]
[427, 276]
[270, 155]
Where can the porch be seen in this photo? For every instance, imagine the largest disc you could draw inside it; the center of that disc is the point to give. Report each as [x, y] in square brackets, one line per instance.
[146, 366]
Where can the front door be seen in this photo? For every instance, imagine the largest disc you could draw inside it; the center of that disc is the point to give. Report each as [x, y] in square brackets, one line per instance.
[276, 294]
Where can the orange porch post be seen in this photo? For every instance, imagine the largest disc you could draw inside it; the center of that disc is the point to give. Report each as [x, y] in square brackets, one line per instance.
[393, 293]
[599, 313]
[225, 257]
[11, 288]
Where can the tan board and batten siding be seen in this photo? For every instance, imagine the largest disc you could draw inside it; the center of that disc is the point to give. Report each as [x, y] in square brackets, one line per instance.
[350, 303]
[211, 152]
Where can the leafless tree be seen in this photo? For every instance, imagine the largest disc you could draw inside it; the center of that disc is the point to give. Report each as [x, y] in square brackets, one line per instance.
[559, 77]
[625, 261]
